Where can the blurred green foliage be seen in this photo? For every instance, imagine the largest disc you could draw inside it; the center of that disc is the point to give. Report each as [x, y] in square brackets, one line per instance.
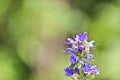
[33, 32]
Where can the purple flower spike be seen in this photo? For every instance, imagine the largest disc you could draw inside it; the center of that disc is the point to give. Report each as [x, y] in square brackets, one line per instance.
[89, 56]
[70, 41]
[80, 57]
[73, 59]
[70, 50]
[69, 71]
[82, 47]
[83, 37]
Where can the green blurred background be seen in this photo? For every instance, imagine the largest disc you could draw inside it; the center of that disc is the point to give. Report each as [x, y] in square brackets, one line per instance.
[33, 32]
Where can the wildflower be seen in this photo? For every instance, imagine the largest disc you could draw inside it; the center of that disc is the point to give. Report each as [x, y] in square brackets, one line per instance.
[76, 48]
[87, 69]
[90, 45]
[80, 57]
[69, 71]
[82, 37]
[73, 59]
[70, 41]
[94, 70]
[70, 50]
[89, 56]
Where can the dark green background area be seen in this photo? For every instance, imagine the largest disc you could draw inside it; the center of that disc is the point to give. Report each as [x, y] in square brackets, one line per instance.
[33, 32]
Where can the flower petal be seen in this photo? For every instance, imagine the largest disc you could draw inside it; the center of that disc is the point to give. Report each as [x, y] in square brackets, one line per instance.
[89, 56]
[70, 50]
[70, 41]
[73, 59]
[83, 37]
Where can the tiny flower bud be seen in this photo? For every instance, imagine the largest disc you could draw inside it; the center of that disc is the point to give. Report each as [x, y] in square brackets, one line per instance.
[82, 47]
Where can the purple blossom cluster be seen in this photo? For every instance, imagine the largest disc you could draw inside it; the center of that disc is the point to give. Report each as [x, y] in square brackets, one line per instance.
[80, 57]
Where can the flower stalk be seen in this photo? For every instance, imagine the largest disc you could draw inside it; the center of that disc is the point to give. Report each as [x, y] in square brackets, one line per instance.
[81, 67]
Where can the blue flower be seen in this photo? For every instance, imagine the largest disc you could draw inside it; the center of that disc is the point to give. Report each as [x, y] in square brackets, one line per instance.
[70, 50]
[75, 48]
[73, 59]
[69, 71]
[89, 56]
[82, 37]
[94, 70]
[90, 45]
[87, 69]
[70, 41]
